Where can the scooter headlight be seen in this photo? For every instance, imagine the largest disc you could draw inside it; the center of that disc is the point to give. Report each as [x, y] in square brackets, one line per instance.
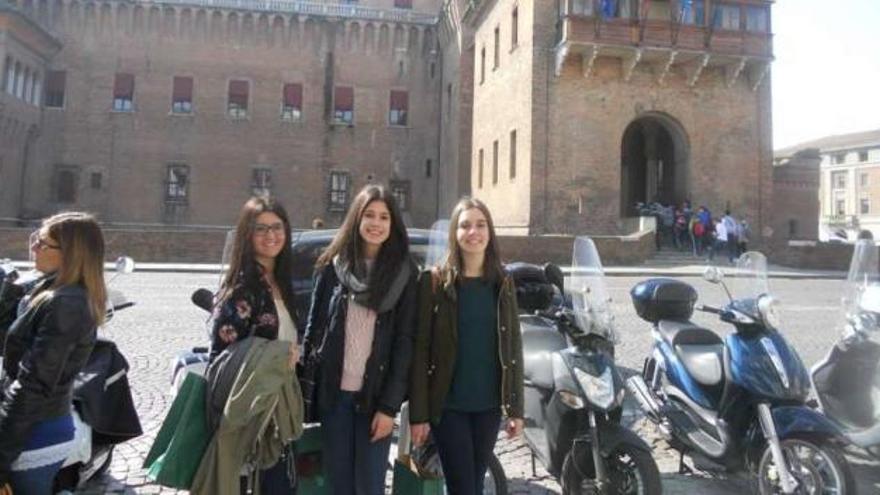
[598, 389]
[768, 307]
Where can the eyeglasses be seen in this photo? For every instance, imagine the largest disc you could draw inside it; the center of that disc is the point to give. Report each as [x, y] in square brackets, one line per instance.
[261, 229]
[41, 243]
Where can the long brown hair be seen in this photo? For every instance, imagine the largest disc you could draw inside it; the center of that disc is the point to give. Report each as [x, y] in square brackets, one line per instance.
[81, 243]
[350, 247]
[452, 266]
[243, 269]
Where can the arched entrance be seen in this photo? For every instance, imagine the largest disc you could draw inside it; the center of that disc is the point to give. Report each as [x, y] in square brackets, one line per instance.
[654, 161]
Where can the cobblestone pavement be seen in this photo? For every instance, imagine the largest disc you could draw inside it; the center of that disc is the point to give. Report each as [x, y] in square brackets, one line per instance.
[164, 322]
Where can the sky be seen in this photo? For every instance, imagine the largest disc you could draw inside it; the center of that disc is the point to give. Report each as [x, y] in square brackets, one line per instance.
[826, 76]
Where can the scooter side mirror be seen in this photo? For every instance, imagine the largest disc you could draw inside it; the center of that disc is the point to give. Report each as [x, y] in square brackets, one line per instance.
[203, 298]
[713, 274]
[124, 264]
[554, 275]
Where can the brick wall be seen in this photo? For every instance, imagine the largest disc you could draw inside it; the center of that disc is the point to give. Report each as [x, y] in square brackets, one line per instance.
[179, 246]
[812, 255]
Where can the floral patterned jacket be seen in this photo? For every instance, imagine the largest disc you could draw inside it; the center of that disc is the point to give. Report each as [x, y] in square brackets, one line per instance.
[249, 310]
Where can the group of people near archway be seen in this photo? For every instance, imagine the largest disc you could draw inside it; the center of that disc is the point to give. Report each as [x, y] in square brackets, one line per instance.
[700, 233]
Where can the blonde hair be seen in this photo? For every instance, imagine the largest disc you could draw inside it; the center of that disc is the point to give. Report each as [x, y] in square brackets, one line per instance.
[81, 243]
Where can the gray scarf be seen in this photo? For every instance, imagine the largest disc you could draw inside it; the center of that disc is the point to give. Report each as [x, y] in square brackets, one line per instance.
[361, 290]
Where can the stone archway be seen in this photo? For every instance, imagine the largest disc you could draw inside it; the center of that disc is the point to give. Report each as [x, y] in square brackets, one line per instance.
[655, 163]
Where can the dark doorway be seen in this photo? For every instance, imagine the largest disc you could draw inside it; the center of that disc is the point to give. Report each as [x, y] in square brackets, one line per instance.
[654, 163]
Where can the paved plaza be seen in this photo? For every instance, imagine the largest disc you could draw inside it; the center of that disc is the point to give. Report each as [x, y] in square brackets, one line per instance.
[164, 322]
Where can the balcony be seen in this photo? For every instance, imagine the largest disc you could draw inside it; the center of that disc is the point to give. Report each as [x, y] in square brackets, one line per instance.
[842, 221]
[666, 34]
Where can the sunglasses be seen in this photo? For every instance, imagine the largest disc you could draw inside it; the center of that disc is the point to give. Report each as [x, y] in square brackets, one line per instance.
[41, 243]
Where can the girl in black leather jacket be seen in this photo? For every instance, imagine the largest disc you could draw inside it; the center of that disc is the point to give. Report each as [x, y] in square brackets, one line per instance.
[359, 336]
[46, 347]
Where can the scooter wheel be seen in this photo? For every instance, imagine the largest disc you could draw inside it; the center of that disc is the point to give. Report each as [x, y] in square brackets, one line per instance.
[818, 468]
[631, 471]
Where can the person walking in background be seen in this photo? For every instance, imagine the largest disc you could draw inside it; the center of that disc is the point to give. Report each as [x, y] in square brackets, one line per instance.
[743, 233]
[46, 346]
[467, 367]
[359, 336]
[720, 242]
[731, 227]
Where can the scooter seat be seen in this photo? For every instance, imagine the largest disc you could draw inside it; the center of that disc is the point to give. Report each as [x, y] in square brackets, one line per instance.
[703, 362]
[700, 350]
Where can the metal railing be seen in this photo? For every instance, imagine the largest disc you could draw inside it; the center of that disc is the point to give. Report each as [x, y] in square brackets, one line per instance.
[310, 8]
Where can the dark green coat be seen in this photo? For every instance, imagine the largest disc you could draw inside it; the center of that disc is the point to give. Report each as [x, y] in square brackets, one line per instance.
[433, 364]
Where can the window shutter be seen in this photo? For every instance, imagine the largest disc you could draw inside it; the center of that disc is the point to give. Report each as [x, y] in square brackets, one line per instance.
[123, 86]
[343, 99]
[293, 95]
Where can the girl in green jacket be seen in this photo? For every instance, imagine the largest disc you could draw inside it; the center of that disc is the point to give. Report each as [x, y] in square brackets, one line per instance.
[467, 365]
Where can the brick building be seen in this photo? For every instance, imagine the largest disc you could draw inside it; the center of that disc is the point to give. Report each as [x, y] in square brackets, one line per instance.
[560, 114]
[174, 112]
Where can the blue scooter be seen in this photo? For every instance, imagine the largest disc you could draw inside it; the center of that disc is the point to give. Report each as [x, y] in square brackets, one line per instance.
[738, 402]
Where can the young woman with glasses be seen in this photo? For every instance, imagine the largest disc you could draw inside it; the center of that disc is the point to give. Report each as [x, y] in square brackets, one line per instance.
[46, 346]
[256, 296]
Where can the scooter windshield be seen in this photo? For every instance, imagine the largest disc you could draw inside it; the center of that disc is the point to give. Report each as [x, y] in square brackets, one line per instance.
[748, 279]
[861, 291]
[590, 301]
[438, 243]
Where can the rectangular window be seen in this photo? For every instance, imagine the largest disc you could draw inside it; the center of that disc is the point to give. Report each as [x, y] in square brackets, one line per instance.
[512, 154]
[400, 191]
[97, 179]
[482, 65]
[56, 80]
[581, 7]
[449, 99]
[863, 179]
[839, 158]
[237, 99]
[343, 105]
[726, 17]
[840, 207]
[480, 170]
[123, 92]
[792, 229]
[757, 19]
[65, 182]
[177, 184]
[838, 179]
[402, 4]
[9, 76]
[693, 12]
[181, 95]
[398, 108]
[340, 184]
[261, 184]
[292, 102]
[428, 167]
[496, 60]
[514, 28]
[863, 156]
[865, 206]
[495, 162]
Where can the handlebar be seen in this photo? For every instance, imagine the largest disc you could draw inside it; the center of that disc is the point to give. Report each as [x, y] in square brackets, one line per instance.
[709, 309]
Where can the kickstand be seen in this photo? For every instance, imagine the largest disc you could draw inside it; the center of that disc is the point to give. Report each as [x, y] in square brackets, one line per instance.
[683, 468]
[534, 471]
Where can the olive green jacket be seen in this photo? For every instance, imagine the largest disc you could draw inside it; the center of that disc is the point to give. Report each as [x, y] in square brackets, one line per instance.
[433, 363]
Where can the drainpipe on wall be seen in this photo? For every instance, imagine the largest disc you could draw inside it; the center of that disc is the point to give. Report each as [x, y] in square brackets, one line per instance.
[22, 182]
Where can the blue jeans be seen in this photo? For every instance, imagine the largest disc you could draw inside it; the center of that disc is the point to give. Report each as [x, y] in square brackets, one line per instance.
[465, 440]
[36, 481]
[352, 464]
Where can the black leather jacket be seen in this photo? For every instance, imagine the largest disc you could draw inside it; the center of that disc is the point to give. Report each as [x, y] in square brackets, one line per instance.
[45, 349]
[386, 377]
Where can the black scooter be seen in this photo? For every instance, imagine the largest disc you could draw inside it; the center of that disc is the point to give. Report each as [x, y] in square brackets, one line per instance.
[573, 391]
[847, 379]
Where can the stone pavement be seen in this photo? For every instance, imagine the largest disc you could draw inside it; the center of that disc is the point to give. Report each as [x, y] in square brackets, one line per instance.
[164, 322]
